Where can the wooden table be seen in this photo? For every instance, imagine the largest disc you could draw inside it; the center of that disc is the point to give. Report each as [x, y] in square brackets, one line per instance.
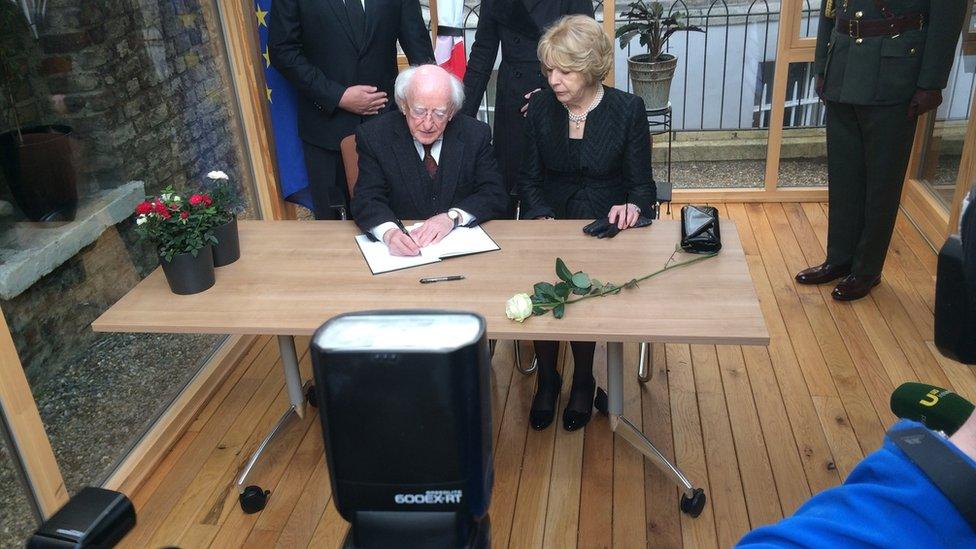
[293, 276]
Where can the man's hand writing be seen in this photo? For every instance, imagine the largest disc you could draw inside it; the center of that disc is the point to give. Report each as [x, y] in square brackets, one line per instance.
[400, 243]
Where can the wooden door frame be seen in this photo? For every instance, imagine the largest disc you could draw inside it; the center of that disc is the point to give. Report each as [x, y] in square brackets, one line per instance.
[31, 445]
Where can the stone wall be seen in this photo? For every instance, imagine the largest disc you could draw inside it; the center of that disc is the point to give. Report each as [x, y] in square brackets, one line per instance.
[145, 88]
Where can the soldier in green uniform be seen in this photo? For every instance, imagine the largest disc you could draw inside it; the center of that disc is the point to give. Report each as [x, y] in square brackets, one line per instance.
[879, 64]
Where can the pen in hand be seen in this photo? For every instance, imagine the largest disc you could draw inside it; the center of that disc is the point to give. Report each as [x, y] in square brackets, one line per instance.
[428, 280]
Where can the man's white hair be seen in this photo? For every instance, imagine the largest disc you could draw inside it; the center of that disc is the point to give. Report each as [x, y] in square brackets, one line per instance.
[405, 78]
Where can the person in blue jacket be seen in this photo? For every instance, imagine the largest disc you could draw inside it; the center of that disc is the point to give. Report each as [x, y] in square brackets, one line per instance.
[890, 501]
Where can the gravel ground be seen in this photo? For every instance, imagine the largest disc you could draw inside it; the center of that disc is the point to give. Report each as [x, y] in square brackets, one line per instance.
[121, 384]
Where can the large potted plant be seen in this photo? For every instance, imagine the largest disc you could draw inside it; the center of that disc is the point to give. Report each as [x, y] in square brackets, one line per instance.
[227, 204]
[651, 72]
[180, 230]
[36, 160]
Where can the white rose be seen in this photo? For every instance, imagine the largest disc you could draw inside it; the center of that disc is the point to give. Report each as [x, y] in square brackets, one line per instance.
[519, 307]
[175, 198]
[166, 197]
[141, 219]
[217, 174]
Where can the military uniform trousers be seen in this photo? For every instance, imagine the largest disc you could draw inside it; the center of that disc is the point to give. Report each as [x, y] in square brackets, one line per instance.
[868, 147]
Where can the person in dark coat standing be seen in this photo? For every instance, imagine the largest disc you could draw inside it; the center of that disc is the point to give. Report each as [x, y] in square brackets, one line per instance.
[587, 156]
[341, 56]
[880, 64]
[515, 25]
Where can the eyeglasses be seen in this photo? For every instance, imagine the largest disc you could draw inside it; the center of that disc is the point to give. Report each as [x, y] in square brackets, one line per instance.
[438, 115]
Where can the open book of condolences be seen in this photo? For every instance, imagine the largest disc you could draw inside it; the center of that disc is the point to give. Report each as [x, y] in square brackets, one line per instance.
[461, 241]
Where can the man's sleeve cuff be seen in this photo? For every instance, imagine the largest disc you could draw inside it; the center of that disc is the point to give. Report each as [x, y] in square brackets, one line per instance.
[466, 218]
[380, 230]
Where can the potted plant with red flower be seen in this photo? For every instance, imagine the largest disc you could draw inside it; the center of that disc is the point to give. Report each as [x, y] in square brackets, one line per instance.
[227, 204]
[180, 229]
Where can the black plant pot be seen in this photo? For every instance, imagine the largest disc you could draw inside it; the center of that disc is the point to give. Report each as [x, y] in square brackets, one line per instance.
[40, 172]
[228, 248]
[190, 275]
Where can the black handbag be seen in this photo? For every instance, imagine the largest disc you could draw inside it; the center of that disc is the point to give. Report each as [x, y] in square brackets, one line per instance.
[700, 232]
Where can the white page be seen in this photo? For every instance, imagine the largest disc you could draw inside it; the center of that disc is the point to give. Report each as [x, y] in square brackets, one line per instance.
[460, 241]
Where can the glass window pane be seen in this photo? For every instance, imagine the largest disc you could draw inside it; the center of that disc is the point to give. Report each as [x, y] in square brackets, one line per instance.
[720, 95]
[810, 18]
[939, 167]
[803, 153]
[17, 519]
[102, 103]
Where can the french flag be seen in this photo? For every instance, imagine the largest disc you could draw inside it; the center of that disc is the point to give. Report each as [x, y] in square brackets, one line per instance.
[449, 49]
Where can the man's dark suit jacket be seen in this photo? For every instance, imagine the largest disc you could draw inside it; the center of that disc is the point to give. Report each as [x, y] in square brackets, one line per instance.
[311, 44]
[614, 165]
[393, 183]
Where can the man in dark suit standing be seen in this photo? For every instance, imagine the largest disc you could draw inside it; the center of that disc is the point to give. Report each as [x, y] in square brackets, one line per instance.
[341, 56]
[880, 64]
[425, 163]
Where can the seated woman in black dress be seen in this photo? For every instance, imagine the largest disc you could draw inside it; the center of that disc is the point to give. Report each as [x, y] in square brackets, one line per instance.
[587, 155]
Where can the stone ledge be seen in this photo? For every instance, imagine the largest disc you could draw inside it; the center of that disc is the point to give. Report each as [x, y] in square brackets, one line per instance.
[31, 250]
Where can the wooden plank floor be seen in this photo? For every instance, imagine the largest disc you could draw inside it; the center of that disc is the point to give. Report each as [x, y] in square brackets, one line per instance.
[760, 428]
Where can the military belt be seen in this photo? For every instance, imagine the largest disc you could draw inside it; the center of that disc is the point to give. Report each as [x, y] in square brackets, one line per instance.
[889, 26]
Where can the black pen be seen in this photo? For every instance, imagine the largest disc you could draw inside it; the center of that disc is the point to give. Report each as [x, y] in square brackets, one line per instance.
[402, 228]
[428, 280]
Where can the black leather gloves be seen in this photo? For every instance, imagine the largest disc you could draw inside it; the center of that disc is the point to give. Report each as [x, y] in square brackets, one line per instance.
[603, 228]
[923, 101]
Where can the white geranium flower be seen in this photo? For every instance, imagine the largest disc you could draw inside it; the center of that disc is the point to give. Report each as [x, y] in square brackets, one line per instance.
[217, 174]
[141, 219]
[519, 307]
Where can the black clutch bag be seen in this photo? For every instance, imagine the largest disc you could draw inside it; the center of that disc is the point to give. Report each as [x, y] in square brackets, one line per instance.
[700, 230]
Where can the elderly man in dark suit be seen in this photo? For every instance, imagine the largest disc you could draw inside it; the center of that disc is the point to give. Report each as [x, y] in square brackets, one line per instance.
[341, 56]
[425, 163]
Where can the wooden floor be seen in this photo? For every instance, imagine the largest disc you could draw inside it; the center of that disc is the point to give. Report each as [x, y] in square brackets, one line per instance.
[760, 428]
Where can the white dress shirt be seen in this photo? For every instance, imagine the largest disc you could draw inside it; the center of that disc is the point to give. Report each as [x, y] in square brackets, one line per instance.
[435, 151]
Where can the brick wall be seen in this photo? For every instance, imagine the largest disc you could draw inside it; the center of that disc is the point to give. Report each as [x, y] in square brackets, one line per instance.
[144, 87]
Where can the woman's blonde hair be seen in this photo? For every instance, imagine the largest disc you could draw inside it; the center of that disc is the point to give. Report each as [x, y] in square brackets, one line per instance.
[577, 43]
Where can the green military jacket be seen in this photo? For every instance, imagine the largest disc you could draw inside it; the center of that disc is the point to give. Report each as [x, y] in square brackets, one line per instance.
[886, 70]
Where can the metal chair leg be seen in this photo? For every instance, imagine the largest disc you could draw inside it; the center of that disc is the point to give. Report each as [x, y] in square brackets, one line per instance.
[518, 361]
[645, 366]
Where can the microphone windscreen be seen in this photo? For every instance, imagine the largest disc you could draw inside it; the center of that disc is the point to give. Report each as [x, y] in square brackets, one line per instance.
[937, 408]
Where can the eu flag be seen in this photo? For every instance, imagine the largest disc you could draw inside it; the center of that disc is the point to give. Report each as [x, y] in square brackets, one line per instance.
[284, 121]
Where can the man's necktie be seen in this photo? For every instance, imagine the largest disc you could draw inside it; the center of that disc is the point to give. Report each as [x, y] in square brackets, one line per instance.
[357, 20]
[429, 162]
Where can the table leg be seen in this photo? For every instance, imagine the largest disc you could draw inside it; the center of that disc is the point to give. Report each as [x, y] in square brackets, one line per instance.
[518, 360]
[693, 499]
[253, 498]
[645, 366]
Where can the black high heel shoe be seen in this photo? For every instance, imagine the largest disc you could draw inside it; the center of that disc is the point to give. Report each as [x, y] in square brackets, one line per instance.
[544, 403]
[579, 409]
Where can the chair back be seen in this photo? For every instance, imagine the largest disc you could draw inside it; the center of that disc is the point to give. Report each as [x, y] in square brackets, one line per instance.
[350, 161]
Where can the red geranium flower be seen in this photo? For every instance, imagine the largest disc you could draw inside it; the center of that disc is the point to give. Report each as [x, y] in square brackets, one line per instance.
[196, 199]
[207, 200]
[184, 215]
[144, 208]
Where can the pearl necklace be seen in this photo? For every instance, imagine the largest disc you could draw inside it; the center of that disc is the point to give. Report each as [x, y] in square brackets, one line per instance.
[580, 118]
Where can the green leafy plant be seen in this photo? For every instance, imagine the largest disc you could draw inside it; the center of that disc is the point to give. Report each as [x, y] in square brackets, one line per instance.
[176, 226]
[649, 22]
[574, 287]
